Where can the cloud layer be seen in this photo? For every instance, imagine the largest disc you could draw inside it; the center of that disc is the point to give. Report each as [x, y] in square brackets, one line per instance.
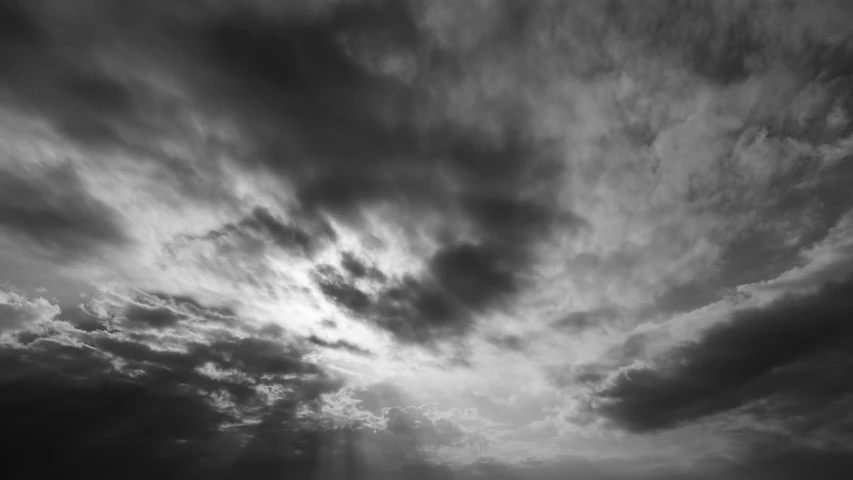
[427, 239]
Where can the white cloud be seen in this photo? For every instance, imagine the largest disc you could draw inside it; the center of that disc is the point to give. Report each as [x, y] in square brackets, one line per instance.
[17, 312]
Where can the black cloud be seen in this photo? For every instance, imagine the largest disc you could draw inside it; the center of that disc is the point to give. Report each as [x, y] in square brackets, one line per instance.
[763, 353]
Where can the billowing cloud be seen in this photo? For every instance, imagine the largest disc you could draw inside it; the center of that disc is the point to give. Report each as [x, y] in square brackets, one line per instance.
[152, 408]
[19, 312]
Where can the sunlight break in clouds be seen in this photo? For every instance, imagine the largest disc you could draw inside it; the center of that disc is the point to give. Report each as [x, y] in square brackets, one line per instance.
[427, 239]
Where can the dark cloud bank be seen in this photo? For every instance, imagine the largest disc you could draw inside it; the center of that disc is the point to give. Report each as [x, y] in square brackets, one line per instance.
[110, 402]
[785, 365]
[795, 353]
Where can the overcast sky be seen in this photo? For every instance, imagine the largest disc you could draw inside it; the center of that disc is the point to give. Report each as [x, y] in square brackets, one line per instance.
[426, 239]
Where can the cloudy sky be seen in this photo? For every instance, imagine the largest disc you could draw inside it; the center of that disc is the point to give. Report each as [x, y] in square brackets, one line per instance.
[427, 239]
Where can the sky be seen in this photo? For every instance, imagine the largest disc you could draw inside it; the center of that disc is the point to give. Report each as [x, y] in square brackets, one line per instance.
[427, 239]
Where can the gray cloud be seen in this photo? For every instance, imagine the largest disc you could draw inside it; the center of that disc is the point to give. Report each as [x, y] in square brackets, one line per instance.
[344, 136]
[751, 357]
[582, 320]
[339, 345]
[55, 212]
[455, 130]
[162, 401]
[51, 76]
[344, 152]
[261, 225]
[152, 317]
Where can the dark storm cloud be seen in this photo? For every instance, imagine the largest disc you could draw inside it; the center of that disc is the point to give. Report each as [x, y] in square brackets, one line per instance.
[255, 357]
[48, 77]
[357, 268]
[107, 405]
[297, 70]
[55, 212]
[474, 274]
[462, 279]
[346, 137]
[417, 310]
[18, 25]
[160, 418]
[156, 310]
[771, 457]
[317, 111]
[355, 139]
[106, 428]
[421, 311]
[112, 425]
[764, 461]
[82, 319]
[48, 355]
[58, 66]
[785, 353]
[130, 350]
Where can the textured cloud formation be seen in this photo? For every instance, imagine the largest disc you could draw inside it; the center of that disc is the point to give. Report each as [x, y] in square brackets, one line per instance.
[52, 210]
[427, 239]
[785, 350]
